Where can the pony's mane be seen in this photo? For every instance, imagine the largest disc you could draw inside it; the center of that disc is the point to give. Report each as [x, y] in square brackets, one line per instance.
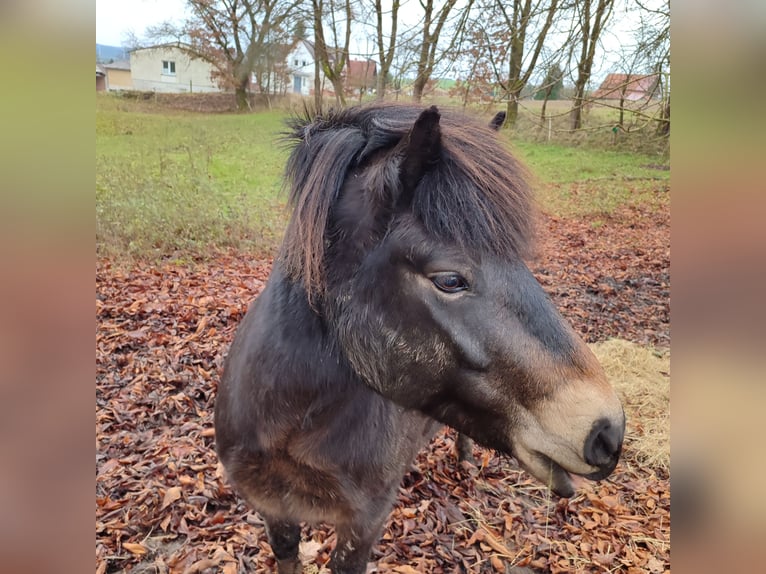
[477, 196]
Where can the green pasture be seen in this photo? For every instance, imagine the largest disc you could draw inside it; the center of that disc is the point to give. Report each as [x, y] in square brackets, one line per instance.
[170, 182]
[184, 184]
[574, 181]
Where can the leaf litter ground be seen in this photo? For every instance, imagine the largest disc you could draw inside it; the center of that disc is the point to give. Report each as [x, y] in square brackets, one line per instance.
[162, 504]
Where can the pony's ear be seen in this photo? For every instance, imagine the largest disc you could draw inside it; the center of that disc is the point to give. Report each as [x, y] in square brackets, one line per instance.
[422, 151]
[497, 121]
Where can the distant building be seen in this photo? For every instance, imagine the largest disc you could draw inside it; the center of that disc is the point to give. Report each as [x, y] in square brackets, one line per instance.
[100, 79]
[361, 76]
[170, 68]
[283, 69]
[290, 68]
[630, 87]
[300, 66]
[118, 76]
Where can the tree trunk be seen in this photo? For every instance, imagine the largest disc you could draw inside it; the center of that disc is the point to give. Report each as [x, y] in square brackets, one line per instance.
[430, 40]
[337, 86]
[575, 115]
[512, 110]
[663, 125]
[548, 92]
[243, 101]
[380, 87]
[591, 32]
[340, 97]
[317, 86]
[332, 67]
[385, 55]
[622, 110]
[423, 72]
[417, 88]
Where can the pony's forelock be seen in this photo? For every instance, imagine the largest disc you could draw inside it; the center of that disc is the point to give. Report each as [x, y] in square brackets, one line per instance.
[476, 197]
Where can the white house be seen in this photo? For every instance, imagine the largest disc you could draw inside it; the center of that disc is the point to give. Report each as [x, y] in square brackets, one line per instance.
[291, 69]
[168, 68]
[300, 63]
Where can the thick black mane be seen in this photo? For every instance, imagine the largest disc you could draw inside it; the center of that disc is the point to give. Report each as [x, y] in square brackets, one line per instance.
[476, 197]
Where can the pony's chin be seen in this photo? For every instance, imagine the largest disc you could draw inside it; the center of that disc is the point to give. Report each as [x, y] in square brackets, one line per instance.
[558, 479]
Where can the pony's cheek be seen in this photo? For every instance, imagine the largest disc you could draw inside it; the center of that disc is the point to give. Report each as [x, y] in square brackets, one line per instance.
[409, 363]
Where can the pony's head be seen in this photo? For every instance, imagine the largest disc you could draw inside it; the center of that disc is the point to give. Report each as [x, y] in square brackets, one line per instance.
[409, 233]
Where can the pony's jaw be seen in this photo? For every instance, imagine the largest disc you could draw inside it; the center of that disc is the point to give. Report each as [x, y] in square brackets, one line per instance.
[551, 439]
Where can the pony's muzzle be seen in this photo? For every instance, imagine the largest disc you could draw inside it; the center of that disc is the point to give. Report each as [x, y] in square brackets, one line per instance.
[603, 446]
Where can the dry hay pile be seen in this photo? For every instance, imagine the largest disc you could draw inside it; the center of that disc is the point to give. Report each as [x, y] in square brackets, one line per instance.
[641, 377]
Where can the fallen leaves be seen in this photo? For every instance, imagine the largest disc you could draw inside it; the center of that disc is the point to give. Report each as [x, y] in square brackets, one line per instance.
[133, 548]
[171, 495]
[610, 275]
[162, 502]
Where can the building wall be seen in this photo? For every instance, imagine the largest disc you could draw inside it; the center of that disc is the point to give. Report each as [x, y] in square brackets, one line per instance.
[118, 79]
[301, 64]
[190, 75]
[296, 71]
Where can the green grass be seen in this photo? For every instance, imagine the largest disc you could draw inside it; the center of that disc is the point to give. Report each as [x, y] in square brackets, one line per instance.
[577, 181]
[185, 185]
[170, 181]
[639, 134]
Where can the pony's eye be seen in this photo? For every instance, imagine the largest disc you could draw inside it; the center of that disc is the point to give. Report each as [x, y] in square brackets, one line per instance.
[449, 282]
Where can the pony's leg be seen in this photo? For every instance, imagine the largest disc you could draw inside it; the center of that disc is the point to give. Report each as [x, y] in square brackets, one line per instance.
[284, 538]
[464, 449]
[354, 543]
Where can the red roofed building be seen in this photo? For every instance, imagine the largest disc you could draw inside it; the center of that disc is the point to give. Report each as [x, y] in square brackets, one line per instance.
[630, 87]
[361, 76]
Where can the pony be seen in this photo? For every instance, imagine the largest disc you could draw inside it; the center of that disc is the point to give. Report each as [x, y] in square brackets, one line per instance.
[400, 301]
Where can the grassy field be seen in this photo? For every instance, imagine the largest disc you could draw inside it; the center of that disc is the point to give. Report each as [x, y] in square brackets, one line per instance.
[580, 181]
[184, 184]
[179, 182]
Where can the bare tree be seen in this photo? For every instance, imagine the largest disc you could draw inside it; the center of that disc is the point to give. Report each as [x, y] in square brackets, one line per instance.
[645, 64]
[593, 16]
[654, 46]
[434, 20]
[550, 88]
[505, 48]
[386, 50]
[525, 27]
[404, 61]
[331, 59]
[235, 36]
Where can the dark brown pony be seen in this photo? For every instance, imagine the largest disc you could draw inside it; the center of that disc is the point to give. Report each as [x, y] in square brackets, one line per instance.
[401, 301]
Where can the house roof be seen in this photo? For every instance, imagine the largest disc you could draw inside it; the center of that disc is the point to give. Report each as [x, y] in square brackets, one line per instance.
[360, 69]
[100, 71]
[634, 85]
[332, 52]
[309, 46]
[118, 65]
[181, 45]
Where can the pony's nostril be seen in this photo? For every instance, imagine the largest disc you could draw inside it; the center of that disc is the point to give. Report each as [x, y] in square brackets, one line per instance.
[603, 444]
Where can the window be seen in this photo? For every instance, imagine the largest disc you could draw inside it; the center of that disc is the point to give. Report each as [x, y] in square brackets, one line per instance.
[295, 62]
[304, 62]
[168, 68]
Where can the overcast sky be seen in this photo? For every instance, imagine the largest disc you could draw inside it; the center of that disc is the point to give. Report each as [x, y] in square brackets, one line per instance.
[116, 17]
